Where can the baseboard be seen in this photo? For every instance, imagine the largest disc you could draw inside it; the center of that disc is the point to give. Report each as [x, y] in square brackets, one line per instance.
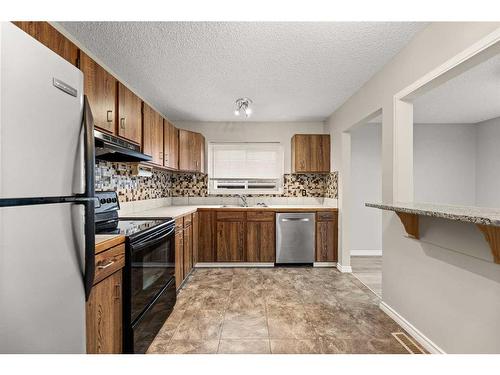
[324, 264]
[232, 264]
[423, 340]
[342, 268]
[366, 253]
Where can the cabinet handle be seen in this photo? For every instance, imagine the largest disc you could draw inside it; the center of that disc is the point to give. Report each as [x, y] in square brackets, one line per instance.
[109, 117]
[122, 123]
[106, 265]
[117, 291]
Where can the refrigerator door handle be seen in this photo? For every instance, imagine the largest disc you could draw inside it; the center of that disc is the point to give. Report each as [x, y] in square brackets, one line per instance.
[89, 198]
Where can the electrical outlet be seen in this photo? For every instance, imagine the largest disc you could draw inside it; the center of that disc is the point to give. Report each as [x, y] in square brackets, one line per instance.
[304, 193]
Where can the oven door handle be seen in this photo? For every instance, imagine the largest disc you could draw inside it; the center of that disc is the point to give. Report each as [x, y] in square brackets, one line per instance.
[151, 240]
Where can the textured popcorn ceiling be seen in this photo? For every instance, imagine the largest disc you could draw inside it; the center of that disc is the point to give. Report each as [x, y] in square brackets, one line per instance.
[471, 97]
[293, 71]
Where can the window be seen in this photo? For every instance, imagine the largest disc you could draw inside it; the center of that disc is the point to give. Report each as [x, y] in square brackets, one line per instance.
[245, 168]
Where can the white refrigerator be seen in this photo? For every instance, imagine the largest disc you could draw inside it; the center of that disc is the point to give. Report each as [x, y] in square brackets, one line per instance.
[46, 199]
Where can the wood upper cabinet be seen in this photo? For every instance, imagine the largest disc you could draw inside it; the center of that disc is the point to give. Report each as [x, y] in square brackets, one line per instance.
[170, 146]
[129, 114]
[230, 236]
[51, 38]
[206, 236]
[100, 88]
[152, 134]
[191, 151]
[326, 236]
[311, 153]
[104, 316]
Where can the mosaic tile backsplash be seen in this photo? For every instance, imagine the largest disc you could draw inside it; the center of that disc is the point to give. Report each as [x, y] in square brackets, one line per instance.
[163, 184]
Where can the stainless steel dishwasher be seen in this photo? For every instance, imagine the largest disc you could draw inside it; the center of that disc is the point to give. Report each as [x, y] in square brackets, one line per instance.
[295, 237]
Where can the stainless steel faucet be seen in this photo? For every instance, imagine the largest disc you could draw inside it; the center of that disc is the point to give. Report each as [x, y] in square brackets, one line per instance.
[243, 199]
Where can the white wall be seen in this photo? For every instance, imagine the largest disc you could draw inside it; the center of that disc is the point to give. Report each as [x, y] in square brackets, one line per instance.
[444, 163]
[488, 163]
[254, 132]
[435, 284]
[366, 186]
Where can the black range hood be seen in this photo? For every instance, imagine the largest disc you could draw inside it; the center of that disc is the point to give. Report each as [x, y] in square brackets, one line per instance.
[111, 148]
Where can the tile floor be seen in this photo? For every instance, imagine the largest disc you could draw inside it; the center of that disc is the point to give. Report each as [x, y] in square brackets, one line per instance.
[369, 271]
[276, 310]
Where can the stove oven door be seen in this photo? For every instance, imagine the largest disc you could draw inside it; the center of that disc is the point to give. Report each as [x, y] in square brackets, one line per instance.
[151, 267]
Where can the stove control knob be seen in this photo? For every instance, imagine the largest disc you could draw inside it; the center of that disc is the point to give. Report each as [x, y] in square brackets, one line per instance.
[103, 200]
[108, 200]
[113, 200]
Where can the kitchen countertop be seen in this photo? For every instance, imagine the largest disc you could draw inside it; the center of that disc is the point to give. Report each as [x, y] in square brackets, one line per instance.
[475, 215]
[178, 211]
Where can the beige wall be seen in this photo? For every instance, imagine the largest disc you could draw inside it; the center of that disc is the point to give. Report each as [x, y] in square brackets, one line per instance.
[437, 284]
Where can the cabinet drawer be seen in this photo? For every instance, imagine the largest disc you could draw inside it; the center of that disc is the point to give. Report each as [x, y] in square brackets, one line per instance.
[187, 220]
[260, 215]
[108, 262]
[231, 215]
[326, 215]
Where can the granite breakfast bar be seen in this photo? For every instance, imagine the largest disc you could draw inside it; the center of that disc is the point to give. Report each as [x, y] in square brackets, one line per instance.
[486, 219]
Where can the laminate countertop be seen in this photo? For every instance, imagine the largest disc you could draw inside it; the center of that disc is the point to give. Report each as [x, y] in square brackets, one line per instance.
[475, 215]
[179, 211]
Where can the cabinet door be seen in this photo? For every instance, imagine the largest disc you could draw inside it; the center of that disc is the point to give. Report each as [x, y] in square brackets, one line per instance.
[186, 150]
[326, 241]
[51, 38]
[260, 242]
[152, 137]
[188, 249]
[199, 153]
[301, 157]
[179, 258]
[320, 153]
[230, 241]
[104, 316]
[100, 88]
[195, 238]
[206, 236]
[171, 145]
[129, 114]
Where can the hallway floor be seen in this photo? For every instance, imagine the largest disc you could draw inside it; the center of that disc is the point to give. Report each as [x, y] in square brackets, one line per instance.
[368, 269]
[276, 310]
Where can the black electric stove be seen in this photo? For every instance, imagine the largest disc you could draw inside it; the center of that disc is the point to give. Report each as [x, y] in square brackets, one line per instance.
[149, 293]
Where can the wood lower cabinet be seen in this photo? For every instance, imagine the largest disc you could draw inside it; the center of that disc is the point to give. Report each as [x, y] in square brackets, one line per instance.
[170, 146]
[230, 236]
[188, 249]
[326, 237]
[206, 237]
[129, 115]
[179, 252]
[260, 237]
[311, 153]
[250, 236]
[260, 242]
[152, 134]
[196, 228]
[104, 308]
[100, 88]
[51, 38]
[191, 151]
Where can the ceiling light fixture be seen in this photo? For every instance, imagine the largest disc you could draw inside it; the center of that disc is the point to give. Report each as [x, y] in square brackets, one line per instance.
[243, 107]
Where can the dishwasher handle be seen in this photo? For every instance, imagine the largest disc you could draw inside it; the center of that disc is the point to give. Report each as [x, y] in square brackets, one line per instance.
[295, 219]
